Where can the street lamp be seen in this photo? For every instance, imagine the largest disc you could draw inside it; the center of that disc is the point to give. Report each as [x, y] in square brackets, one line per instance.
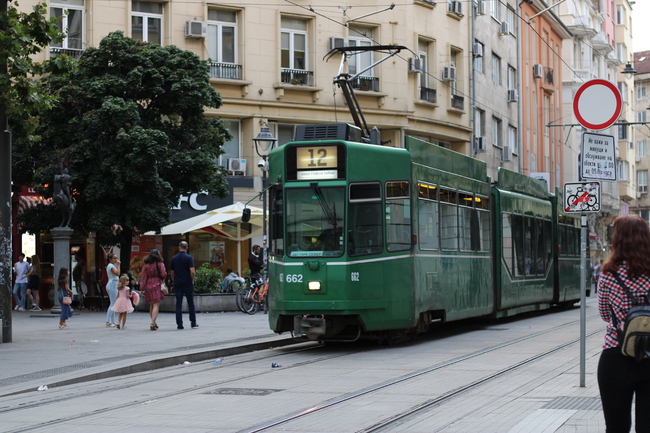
[264, 142]
[629, 69]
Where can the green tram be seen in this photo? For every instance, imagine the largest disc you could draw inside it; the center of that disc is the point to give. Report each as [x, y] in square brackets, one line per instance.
[375, 241]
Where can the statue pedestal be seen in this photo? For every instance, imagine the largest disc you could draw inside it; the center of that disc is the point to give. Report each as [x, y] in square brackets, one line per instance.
[61, 236]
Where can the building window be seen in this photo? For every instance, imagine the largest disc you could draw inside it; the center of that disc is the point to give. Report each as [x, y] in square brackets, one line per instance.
[642, 148]
[642, 180]
[146, 21]
[622, 170]
[360, 37]
[426, 93]
[510, 19]
[512, 139]
[222, 36]
[231, 148]
[620, 52]
[622, 88]
[640, 92]
[512, 78]
[496, 69]
[640, 116]
[620, 15]
[479, 125]
[479, 48]
[70, 21]
[497, 139]
[622, 131]
[294, 44]
[494, 9]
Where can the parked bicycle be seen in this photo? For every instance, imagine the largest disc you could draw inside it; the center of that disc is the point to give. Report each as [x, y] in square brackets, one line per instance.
[252, 297]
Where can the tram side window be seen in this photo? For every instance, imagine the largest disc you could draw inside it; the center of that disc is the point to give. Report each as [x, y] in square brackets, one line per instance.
[518, 244]
[398, 216]
[365, 230]
[543, 246]
[427, 217]
[448, 220]
[530, 237]
[508, 249]
[469, 226]
[277, 222]
[483, 206]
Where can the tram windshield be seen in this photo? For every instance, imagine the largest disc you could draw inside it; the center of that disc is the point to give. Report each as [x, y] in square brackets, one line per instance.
[314, 221]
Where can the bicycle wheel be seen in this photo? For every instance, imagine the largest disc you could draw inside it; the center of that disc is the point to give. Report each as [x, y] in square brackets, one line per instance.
[245, 301]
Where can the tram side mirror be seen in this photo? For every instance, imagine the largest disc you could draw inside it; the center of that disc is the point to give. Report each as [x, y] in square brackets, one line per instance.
[246, 215]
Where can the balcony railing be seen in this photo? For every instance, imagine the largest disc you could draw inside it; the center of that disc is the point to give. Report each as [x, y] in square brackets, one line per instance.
[75, 54]
[457, 102]
[226, 70]
[298, 77]
[428, 95]
[548, 75]
[368, 84]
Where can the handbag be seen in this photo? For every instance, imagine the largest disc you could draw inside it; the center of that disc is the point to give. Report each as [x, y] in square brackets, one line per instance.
[67, 300]
[163, 286]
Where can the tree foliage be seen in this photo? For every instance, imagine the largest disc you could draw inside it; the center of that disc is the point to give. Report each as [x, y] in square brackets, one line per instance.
[129, 124]
[23, 35]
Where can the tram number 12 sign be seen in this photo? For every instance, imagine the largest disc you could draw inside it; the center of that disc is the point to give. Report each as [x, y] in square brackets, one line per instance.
[582, 197]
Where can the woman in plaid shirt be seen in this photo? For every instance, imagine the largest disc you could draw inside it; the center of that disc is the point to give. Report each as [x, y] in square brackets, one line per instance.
[620, 377]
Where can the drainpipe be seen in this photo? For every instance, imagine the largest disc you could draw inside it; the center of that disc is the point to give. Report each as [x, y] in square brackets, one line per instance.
[520, 165]
[472, 82]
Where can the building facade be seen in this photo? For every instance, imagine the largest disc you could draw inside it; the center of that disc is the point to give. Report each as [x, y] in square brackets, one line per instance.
[641, 205]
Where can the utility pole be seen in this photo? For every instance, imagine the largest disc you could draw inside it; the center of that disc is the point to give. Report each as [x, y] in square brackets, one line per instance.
[5, 210]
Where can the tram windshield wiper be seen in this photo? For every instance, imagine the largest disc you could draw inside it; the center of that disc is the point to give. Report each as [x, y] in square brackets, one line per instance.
[329, 214]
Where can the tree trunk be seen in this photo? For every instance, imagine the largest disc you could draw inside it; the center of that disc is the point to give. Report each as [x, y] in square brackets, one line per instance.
[125, 249]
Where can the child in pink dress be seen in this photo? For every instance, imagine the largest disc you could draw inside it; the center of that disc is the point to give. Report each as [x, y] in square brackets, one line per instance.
[123, 302]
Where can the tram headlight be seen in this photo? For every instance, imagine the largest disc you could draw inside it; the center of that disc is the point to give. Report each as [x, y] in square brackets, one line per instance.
[314, 285]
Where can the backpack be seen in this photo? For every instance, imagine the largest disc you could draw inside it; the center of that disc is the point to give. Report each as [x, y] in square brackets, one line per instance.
[634, 339]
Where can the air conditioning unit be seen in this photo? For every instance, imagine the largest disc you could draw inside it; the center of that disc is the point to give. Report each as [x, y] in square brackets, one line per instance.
[481, 8]
[505, 28]
[638, 194]
[456, 7]
[507, 153]
[415, 65]
[481, 144]
[337, 42]
[513, 96]
[195, 29]
[449, 73]
[538, 70]
[236, 164]
[637, 159]
[478, 49]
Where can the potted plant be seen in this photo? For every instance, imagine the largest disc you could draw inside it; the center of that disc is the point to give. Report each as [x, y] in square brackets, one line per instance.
[297, 81]
[207, 279]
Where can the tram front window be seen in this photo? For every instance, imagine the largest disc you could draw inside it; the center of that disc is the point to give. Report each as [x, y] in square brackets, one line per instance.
[314, 221]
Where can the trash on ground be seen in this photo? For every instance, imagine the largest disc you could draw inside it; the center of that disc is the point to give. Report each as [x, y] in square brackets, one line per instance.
[43, 388]
[218, 361]
[187, 363]
[275, 365]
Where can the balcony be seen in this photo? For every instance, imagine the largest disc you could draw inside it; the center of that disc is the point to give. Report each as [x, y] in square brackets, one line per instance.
[228, 71]
[582, 26]
[457, 102]
[428, 95]
[297, 77]
[366, 84]
[56, 51]
[583, 75]
[548, 76]
[601, 44]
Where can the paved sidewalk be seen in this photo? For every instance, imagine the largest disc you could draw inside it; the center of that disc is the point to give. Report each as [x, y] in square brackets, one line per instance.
[43, 354]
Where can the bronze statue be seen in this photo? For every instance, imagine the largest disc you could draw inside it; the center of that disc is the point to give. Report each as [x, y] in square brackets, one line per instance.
[62, 196]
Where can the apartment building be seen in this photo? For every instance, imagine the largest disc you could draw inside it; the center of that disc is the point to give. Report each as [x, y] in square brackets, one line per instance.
[641, 205]
[268, 61]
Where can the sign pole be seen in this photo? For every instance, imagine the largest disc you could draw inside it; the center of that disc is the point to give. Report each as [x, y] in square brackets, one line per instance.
[583, 297]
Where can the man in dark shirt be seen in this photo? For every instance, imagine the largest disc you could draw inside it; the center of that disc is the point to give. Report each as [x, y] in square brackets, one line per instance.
[182, 271]
[255, 262]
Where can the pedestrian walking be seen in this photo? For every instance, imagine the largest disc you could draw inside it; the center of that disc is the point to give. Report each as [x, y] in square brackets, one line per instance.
[621, 378]
[64, 292]
[113, 272]
[34, 283]
[151, 277]
[21, 268]
[255, 262]
[182, 271]
[123, 301]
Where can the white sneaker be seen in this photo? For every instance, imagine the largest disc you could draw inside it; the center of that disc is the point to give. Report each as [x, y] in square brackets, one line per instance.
[21, 309]
[17, 307]
[35, 308]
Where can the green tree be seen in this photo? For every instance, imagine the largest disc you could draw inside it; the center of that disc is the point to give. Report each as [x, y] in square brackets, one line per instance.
[129, 124]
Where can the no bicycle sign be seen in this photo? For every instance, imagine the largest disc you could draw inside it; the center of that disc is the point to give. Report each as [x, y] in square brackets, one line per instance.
[582, 197]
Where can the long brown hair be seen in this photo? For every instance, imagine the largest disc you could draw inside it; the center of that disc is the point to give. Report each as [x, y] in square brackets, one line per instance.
[63, 276]
[630, 244]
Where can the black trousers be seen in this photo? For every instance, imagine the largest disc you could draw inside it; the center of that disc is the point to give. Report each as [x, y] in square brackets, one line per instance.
[620, 378]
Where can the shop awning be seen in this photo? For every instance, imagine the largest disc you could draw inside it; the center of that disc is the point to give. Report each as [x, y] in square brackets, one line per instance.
[29, 201]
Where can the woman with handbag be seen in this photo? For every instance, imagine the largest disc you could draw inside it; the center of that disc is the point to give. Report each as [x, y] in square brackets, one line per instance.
[151, 282]
[65, 297]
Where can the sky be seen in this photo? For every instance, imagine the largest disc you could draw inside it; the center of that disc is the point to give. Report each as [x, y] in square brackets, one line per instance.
[640, 27]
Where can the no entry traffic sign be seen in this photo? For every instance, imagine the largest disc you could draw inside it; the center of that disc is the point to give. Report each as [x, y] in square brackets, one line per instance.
[597, 104]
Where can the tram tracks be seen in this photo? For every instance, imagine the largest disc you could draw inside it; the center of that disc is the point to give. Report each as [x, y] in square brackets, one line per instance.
[144, 378]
